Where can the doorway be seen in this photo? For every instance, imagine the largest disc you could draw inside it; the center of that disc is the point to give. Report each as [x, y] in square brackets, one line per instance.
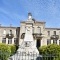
[38, 43]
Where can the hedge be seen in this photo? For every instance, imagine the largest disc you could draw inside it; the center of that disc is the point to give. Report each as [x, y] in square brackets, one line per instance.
[51, 50]
[6, 51]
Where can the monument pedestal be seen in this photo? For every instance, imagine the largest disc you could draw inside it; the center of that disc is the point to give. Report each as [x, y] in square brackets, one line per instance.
[28, 47]
[27, 51]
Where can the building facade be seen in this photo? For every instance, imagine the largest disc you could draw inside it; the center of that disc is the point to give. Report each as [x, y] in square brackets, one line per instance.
[42, 35]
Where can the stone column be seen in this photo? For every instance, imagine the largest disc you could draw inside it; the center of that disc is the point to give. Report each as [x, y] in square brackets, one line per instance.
[1, 40]
[6, 40]
[51, 41]
[35, 42]
[12, 40]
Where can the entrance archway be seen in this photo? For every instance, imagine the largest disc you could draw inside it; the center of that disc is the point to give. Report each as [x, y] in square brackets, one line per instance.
[38, 43]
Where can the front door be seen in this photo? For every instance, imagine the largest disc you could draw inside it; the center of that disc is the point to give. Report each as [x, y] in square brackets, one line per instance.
[38, 43]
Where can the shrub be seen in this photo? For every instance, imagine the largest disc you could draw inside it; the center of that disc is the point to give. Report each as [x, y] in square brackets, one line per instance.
[53, 49]
[13, 49]
[50, 50]
[4, 51]
[42, 50]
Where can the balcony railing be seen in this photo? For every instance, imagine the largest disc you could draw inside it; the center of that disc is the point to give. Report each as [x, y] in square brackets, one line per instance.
[9, 35]
[55, 37]
[37, 35]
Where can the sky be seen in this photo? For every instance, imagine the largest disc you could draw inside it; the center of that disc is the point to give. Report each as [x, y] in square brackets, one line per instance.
[14, 11]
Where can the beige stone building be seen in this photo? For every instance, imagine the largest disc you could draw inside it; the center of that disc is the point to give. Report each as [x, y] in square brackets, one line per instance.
[41, 34]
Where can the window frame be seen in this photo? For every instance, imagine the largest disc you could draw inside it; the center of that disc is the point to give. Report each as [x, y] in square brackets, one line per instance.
[38, 29]
[54, 32]
[48, 33]
[3, 40]
[48, 41]
[9, 41]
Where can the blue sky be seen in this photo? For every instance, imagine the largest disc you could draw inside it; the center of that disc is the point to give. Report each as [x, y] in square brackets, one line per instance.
[14, 11]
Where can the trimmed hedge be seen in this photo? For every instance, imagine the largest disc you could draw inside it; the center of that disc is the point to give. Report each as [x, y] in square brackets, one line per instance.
[4, 52]
[12, 48]
[50, 50]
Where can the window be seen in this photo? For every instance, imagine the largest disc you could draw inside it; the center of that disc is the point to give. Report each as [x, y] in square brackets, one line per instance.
[15, 40]
[4, 40]
[48, 33]
[54, 41]
[10, 32]
[54, 32]
[38, 29]
[59, 42]
[48, 41]
[33, 30]
[9, 41]
[15, 32]
[4, 32]
[38, 43]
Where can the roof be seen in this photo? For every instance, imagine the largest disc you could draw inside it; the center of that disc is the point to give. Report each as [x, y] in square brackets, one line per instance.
[53, 28]
[8, 27]
[35, 21]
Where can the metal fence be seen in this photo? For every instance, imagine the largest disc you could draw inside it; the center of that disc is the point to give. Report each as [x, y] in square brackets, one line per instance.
[32, 56]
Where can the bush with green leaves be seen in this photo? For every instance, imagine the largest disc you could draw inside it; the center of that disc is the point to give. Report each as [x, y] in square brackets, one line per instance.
[42, 49]
[13, 49]
[50, 50]
[4, 52]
